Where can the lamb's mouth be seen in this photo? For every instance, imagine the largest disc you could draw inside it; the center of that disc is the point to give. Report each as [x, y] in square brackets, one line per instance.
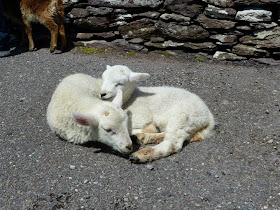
[107, 98]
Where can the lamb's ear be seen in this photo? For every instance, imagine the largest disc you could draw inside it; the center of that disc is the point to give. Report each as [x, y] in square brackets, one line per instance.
[138, 77]
[108, 67]
[83, 119]
[118, 100]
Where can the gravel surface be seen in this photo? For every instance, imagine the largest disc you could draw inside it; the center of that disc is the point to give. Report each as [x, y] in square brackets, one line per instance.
[237, 168]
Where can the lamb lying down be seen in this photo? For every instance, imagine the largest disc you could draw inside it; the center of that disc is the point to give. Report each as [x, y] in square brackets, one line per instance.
[178, 114]
[77, 114]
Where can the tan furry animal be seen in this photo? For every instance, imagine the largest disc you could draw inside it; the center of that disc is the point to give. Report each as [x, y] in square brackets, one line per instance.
[47, 12]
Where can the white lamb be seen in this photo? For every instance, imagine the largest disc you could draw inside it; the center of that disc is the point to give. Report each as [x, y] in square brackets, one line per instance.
[178, 114]
[77, 114]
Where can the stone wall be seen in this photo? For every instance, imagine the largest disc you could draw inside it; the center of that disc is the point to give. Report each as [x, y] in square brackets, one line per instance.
[224, 29]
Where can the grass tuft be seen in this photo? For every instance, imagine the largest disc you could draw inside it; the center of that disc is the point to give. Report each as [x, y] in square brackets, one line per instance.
[199, 59]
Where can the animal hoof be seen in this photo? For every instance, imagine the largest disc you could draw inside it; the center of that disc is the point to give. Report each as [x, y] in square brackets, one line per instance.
[52, 49]
[134, 159]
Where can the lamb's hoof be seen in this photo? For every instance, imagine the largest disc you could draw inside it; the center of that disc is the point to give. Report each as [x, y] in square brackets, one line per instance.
[134, 159]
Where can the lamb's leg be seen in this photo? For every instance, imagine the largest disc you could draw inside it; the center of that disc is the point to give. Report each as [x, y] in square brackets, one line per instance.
[196, 137]
[202, 132]
[149, 138]
[165, 148]
[177, 131]
[175, 136]
[150, 128]
[149, 135]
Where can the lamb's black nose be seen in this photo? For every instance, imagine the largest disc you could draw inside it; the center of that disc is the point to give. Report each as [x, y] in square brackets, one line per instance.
[102, 94]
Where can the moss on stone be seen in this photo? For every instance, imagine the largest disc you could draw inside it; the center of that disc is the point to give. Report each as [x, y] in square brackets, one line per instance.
[131, 53]
[200, 59]
[162, 53]
[91, 50]
[102, 49]
[128, 53]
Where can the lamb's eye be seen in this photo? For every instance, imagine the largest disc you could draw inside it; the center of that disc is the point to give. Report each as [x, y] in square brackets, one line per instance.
[119, 84]
[108, 130]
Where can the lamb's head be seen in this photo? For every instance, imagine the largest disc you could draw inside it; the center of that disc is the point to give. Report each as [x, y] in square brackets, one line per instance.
[111, 124]
[119, 77]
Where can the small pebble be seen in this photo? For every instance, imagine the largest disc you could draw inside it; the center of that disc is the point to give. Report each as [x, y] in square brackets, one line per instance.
[72, 167]
[270, 141]
[151, 167]
[85, 181]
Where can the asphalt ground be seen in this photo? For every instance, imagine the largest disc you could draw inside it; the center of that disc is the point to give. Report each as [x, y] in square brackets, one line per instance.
[236, 168]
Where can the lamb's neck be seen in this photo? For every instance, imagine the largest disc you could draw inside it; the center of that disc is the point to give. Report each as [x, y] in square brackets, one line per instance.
[127, 94]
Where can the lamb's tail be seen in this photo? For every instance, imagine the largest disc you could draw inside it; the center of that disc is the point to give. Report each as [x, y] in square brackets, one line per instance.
[205, 131]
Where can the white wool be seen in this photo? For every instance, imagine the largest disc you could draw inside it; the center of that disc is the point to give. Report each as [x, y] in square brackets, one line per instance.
[77, 114]
[179, 114]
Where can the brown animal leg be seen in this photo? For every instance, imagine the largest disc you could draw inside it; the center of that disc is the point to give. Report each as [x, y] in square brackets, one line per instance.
[150, 128]
[142, 155]
[53, 27]
[149, 135]
[63, 37]
[196, 137]
[28, 31]
[149, 138]
[165, 148]
[61, 25]
[23, 39]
